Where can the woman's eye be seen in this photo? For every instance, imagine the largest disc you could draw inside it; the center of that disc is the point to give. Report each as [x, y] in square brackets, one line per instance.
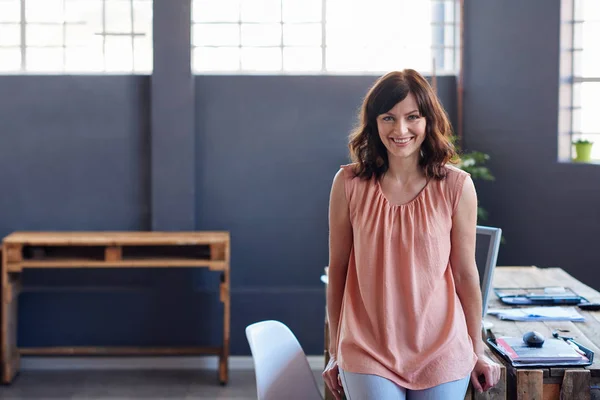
[413, 117]
[387, 118]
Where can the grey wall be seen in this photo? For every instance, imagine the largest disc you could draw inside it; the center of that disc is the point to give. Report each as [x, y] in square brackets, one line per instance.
[74, 152]
[74, 155]
[549, 211]
[268, 148]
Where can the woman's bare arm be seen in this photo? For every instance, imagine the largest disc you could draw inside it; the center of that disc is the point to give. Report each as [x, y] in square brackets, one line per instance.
[462, 259]
[340, 243]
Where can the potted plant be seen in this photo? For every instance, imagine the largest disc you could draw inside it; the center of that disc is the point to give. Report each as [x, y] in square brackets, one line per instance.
[583, 150]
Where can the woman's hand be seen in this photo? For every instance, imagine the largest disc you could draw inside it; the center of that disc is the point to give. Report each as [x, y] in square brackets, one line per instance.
[331, 376]
[486, 374]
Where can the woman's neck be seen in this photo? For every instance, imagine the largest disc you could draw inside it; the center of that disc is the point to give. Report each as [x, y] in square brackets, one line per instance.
[403, 170]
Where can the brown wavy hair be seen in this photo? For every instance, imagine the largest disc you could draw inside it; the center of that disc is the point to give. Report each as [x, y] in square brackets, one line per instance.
[365, 145]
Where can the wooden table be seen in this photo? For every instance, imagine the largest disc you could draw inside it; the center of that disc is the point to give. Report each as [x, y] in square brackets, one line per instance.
[52, 250]
[550, 383]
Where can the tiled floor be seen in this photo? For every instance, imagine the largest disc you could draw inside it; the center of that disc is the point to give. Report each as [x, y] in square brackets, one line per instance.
[95, 385]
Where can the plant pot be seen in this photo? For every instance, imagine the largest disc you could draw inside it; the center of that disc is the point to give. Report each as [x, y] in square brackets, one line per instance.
[583, 152]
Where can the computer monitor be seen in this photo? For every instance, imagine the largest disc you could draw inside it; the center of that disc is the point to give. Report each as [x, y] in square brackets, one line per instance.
[487, 245]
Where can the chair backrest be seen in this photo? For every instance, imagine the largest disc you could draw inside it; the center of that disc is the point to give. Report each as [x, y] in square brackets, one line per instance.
[282, 370]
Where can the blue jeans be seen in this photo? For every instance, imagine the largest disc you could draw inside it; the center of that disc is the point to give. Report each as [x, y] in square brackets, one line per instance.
[373, 387]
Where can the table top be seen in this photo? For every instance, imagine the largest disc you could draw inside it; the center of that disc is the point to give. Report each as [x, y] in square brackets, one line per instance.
[116, 237]
[587, 333]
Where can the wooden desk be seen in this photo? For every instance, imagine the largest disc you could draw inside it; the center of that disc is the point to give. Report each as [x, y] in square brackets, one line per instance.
[51, 250]
[549, 383]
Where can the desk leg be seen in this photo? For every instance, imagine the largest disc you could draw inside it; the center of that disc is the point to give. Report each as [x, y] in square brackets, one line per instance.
[224, 356]
[576, 385]
[530, 384]
[8, 332]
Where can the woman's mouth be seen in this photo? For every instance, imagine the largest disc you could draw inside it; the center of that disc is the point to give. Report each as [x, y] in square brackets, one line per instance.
[401, 141]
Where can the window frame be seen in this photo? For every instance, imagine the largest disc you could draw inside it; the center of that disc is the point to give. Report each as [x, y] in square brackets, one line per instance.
[571, 48]
[447, 45]
[104, 32]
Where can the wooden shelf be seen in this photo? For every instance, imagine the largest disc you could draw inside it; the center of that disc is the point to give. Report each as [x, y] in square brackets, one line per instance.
[138, 263]
[117, 351]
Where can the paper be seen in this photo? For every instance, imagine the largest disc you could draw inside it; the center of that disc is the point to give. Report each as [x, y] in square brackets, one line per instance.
[538, 314]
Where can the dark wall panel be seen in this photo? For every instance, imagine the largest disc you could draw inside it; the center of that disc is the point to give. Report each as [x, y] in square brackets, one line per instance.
[548, 210]
[268, 148]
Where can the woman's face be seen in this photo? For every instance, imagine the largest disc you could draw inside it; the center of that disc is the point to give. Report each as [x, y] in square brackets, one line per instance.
[402, 129]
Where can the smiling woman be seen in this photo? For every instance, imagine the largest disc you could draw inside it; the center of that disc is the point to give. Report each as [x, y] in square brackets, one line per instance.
[402, 225]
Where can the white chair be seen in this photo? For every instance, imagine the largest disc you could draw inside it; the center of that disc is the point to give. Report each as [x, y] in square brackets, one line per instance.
[281, 368]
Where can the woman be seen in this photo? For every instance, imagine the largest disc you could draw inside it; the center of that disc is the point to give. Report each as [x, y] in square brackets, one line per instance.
[404, 303]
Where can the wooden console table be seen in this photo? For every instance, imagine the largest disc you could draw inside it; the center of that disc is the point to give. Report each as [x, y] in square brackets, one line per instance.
[50, 250]
[550, 383]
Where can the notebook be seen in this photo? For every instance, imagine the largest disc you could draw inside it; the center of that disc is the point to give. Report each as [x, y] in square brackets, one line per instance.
[554, 352]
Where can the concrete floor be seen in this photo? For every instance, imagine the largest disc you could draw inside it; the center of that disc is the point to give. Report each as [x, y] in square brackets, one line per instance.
[96, 385]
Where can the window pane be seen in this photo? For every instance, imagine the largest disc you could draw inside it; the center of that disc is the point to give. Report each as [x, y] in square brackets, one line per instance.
[346, 59]
[44, 59]
[10, 60]
[118, 54]
[216, 35]
[589, 10]
[10, 35]
[216, 11]
[302, 58]
[10, 11]
[118, 16]
[590, 104]
[88, 12]
[261, 34]
[261, 59]
[216, 59]
[79, 35]
[450, 11]
[261, 10]
[590, 57]
[142, 16]
[142, 54]
[302, 10]
[44, 35]
[302, 34]
[44, 10]
[85, 59]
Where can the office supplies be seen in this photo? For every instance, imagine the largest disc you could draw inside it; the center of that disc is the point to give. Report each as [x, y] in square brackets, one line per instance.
[534, 339]
[552, 295]
[555, 352]
[589, 306]
[538, 314]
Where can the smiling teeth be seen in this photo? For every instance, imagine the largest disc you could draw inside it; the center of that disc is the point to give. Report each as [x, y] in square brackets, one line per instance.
[401, 140]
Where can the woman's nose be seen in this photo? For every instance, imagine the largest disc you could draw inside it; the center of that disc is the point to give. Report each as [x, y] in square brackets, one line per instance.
[402, 127]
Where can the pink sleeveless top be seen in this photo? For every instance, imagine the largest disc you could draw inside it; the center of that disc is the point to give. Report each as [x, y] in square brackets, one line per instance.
[401, 317]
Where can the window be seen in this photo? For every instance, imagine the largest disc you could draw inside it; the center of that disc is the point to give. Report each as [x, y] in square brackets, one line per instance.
[324, 36]
[580, 76]
[75, 36]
